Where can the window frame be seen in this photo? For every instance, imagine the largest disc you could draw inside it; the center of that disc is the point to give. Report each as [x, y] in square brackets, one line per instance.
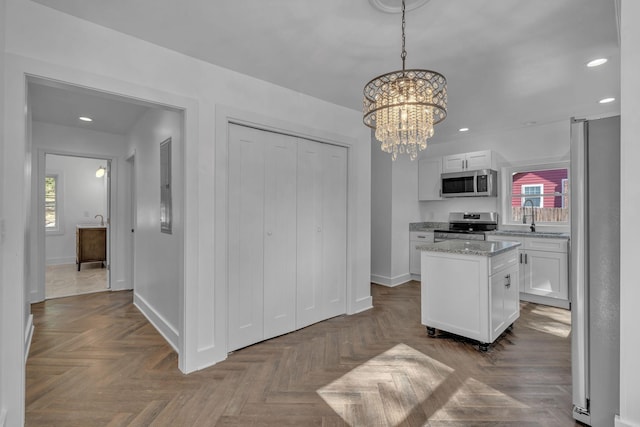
[59, 204]
[532, 195]
[507, 192]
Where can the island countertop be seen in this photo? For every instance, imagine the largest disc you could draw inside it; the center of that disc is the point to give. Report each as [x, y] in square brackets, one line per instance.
[466, 247]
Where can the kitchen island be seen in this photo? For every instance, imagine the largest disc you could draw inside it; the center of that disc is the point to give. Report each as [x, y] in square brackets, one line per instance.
[470, 288]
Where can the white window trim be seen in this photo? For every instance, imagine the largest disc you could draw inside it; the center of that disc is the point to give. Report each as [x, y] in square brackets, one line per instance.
[563, 184]
[504, 195]
[59, 228]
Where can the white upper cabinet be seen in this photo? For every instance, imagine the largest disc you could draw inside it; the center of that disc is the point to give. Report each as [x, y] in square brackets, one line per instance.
[468, 161]
[429, 183]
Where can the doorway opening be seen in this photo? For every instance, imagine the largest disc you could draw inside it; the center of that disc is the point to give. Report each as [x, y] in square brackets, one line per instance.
[77, 212]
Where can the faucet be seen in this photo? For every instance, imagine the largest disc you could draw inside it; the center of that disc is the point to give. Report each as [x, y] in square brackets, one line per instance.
[101, 219]
[533, 215]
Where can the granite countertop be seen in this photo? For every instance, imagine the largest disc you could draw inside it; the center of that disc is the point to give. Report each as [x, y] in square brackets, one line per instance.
[465, 247]
[522, 233]
[427, 226]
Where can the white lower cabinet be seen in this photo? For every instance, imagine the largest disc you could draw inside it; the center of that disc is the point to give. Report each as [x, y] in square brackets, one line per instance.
[470, 295]
[544, 269]
[416, 238]
[287, 234]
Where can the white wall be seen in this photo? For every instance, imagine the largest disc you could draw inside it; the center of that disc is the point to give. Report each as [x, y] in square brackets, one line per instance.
[158, 270]
[629, 208]
[381, 216]
[5, 315]
[394, 195]
[50, 44]
[83, 196]
[64, 140]
[533, 144]
[405, 210]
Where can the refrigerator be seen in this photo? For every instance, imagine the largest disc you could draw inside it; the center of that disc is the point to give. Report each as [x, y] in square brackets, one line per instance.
[595, 269]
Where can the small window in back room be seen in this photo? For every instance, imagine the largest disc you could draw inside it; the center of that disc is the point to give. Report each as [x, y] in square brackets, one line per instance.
[51, 216]
[546, 188]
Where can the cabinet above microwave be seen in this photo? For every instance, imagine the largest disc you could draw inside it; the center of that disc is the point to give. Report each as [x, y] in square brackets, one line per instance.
[472, 183]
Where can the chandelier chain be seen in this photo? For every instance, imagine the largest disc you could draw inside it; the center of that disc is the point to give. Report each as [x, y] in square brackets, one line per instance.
[404, 24]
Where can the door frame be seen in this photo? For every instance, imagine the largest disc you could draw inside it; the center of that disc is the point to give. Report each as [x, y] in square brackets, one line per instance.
[39, 293]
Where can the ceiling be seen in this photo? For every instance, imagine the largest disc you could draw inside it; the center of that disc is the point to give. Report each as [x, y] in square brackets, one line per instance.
[509, 63]
[51, 102]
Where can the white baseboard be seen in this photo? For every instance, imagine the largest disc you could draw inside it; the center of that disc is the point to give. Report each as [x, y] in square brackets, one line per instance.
[390, 281]
[61, 261]
[120, 285]
[363, 304]
[28, 335]
[619, 422]
[162, 326]
[538, 299]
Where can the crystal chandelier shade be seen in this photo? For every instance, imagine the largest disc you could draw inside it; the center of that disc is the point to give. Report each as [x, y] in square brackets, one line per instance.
[403, 107]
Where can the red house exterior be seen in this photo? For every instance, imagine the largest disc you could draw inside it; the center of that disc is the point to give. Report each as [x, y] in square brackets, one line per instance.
[548, 181]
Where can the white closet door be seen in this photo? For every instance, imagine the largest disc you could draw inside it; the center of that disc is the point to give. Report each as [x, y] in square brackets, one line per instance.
[245, 234]
[334, 230]
[280, 234]
[309, 258]
[322, 232]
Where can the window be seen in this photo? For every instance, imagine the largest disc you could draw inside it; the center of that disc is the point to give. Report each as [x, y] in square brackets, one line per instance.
[53, 203]
[546, 186]
[50, 202]
[528, 189]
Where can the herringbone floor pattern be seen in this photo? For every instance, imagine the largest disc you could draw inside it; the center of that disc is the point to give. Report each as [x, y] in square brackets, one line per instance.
[95, 361]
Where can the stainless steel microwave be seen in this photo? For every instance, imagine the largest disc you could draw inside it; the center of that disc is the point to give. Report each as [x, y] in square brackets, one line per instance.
[475, 183]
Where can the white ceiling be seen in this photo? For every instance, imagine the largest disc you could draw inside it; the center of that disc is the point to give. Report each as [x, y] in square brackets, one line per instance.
[508, 62]
[51, 102]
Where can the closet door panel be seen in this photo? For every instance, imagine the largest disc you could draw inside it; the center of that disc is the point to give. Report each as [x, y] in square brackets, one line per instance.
[334, 233]
[280, 235]
[309, 257]
[246, 254]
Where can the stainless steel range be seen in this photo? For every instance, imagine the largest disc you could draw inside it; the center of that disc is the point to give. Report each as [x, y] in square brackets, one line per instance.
[468, 226]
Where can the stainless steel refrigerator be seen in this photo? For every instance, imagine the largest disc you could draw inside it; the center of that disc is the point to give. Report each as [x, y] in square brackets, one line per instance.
[595, 269]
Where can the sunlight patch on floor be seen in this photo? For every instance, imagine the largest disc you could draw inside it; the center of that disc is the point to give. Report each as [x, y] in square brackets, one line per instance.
[385, 389]
[557, 324]
[471, 395]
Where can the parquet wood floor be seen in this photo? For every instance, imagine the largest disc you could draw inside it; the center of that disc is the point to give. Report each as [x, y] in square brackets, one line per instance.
[96, 361]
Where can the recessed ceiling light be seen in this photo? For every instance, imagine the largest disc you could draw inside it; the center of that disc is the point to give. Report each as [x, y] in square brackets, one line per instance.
[85, 119]
[463, 129]
[606, 100]
[596, 62]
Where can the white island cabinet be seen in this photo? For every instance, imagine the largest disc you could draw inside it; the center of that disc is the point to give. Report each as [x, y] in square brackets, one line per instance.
[470, 288]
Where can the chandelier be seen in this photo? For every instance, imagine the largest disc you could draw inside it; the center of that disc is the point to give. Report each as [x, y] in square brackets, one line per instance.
[403, 106]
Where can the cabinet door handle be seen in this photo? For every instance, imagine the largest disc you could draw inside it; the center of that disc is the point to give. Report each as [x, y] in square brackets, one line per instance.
[520, 258]
[525, 259]
[462, 164]
[422, 237]
[508, 281]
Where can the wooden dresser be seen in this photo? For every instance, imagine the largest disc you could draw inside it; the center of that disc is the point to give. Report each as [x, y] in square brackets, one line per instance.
[91, 245]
